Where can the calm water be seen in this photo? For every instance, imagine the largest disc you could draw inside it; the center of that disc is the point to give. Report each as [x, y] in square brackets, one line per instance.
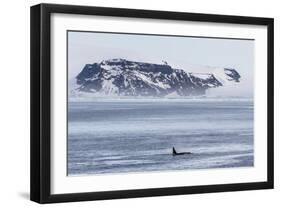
[136, 136]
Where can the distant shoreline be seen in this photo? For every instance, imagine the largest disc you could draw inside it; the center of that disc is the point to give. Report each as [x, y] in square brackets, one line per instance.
[155, 99]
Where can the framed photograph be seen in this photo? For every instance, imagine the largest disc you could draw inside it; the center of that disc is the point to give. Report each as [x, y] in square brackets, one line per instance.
[133, 103]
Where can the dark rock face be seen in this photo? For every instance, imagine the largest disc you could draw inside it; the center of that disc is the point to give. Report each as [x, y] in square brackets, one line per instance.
[233, 74]
[128, 78]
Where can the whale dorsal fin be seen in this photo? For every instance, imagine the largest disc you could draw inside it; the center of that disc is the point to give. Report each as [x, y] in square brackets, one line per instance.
[174, 151]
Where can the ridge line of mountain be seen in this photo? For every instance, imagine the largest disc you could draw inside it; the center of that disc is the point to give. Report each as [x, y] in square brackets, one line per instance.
[131, 78]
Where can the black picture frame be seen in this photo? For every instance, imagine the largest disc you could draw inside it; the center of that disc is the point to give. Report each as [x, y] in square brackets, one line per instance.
[40, 184]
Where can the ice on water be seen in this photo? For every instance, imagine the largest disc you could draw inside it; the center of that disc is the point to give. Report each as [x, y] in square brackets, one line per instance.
[117, 136]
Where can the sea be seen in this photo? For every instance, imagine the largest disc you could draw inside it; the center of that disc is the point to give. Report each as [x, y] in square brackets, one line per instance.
[137, 135]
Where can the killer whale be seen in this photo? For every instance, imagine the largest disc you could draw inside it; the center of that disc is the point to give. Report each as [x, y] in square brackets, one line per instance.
[180, 153]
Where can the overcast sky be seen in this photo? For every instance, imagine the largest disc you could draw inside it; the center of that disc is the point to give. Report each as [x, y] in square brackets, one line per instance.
[188, 53]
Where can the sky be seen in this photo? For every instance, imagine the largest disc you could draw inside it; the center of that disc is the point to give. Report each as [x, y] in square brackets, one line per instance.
[192, 54]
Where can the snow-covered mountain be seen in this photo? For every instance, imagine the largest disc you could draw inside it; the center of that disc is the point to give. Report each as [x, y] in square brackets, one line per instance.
[122, 77]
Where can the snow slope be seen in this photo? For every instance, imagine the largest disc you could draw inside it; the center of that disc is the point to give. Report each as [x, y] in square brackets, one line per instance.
[121, 77]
